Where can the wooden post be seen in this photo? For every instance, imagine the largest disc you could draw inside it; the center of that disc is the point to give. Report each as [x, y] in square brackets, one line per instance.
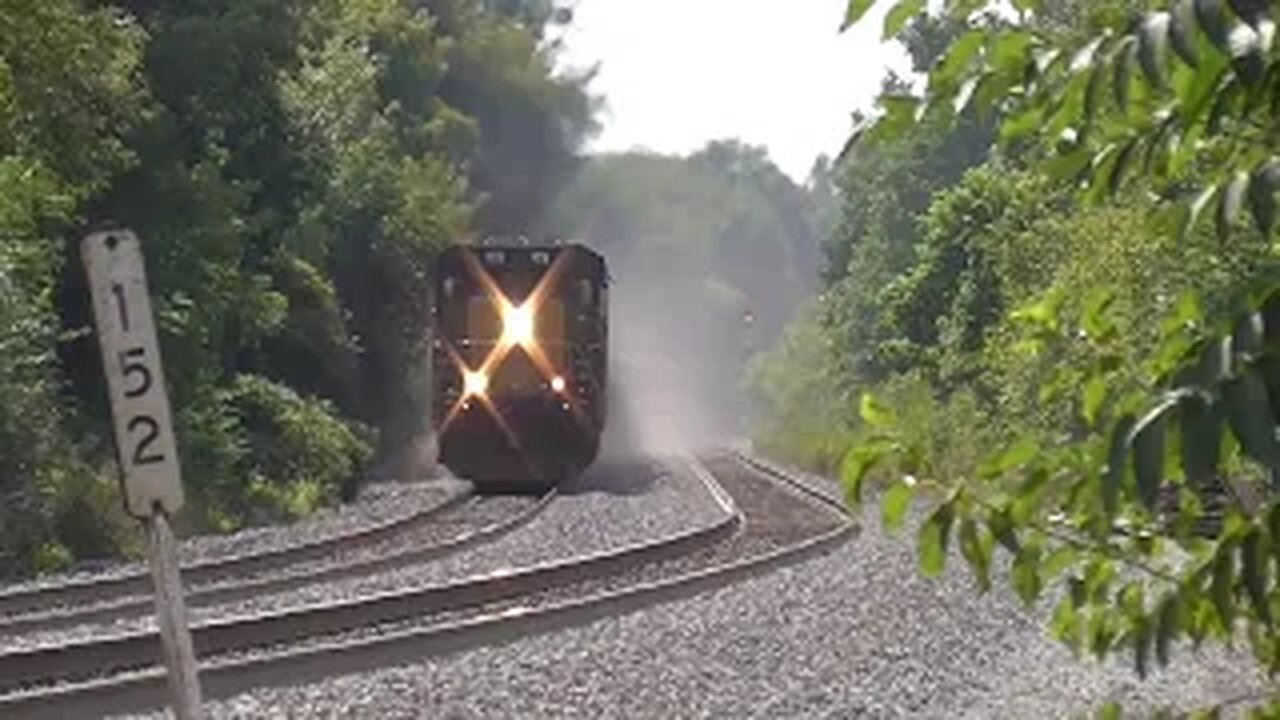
[171, 614]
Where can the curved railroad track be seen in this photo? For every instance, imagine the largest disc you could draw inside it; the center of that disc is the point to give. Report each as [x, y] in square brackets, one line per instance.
[448, 529]
[770, 520]
[94, 590]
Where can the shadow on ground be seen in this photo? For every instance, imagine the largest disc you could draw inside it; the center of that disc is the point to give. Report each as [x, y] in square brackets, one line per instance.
[618, 476]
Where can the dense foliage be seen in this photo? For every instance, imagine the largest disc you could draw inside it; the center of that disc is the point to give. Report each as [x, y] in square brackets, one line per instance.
[291, 166]
[1092, 295]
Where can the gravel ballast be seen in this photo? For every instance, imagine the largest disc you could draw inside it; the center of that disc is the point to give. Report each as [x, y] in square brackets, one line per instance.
[611, 506]
[856, 633]
[378, 504]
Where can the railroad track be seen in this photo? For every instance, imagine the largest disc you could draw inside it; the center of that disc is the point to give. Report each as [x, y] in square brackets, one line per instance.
[447, 530]
[769, 520]
[45, 599]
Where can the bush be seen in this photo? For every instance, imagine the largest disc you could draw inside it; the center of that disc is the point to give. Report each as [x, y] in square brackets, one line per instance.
[298, 451]
[798, 417]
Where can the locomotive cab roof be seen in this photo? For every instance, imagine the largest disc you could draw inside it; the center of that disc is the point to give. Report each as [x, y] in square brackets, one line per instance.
[497, 253]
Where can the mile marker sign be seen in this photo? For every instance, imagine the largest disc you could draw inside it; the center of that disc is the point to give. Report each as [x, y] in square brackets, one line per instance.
[144, 437]
[135, 378]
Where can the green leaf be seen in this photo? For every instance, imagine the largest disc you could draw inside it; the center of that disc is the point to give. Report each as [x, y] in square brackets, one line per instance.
[859, 461]
[854, 12]
[1097, 579]
[894, 504]
[962, 9]
[1231, 202]
[1042, 59]
[1201, 427]
[1262, 195]
[1085, 56]
[1273, 528]
[1014, 456]
[1110, 711]
[1058, 561]
[1148, 455]
[1121, 166]
[1095, 394]
[1167, 628]
[1067, 166]
[1159, 146]
[959, 57]
[1079, 592]
[1195, 210]
[1103, 165]
[964, 95]
[1197, 94]
[898, 16]
[1002, 528]
[1093, 94]
[1066, 624]
[1095, 319]
[1221, 585]
[1026, 573]
[1214, 365]
[1270, 309]
[932, 542]
[1009, 51]
[1122, 71]
[1116, 465]
[1182, 31]
[1142, 636]
[900, 113]
[1225, 102]
[876, 414]
[1022, 124]
[976, 549]
[1153, 47]
[1255, 573]
[1213, 20]
[1249, 415]
[1247, 338]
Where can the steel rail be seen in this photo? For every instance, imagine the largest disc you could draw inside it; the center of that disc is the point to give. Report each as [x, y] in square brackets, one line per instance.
[828, 494]
[146, 689]
[224, 594]
[86, 659]
[138, 582]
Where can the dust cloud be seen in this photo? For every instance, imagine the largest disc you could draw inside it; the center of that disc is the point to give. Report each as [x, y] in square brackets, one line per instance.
[675, 363]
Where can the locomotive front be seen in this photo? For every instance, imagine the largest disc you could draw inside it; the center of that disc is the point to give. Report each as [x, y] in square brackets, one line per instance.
[519, 362]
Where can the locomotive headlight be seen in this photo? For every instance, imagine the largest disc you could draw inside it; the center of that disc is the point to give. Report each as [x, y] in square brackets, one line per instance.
[517, 325]
[557, 384]
[474, 383]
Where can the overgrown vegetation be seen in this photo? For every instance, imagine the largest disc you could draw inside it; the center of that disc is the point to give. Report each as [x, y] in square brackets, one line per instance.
[1092, 294]
[291, 166]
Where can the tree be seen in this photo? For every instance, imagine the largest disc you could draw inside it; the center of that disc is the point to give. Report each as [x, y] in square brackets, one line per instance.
[292, 168]
[70, 93]
[1175, 105]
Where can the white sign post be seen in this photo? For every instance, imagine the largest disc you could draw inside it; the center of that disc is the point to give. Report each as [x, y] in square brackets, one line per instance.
[150, 476]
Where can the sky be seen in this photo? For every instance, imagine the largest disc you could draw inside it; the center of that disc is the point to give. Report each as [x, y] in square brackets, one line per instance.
[678, 73]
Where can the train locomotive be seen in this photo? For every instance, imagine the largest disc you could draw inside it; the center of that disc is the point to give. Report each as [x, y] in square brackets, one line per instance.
[519, 362]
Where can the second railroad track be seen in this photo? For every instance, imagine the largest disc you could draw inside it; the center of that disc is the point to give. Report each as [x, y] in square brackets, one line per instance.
[769, 520]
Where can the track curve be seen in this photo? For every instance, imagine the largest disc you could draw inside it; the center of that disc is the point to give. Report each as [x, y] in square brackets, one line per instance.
[40, 599]
[227, 593]
[508, 603]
